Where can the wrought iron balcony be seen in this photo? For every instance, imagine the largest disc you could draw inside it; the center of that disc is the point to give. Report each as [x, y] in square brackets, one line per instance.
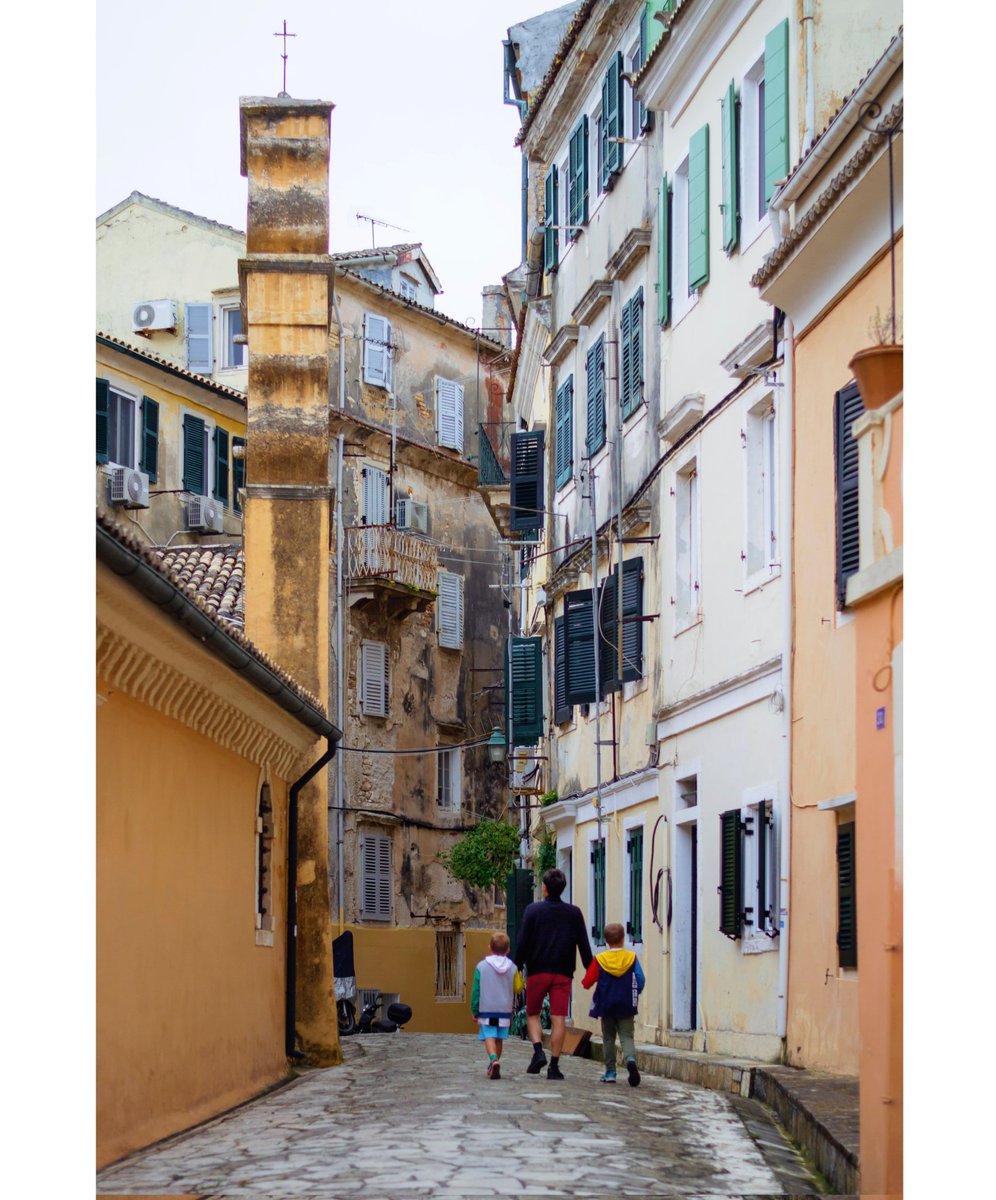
[493, 459]
[382, 560]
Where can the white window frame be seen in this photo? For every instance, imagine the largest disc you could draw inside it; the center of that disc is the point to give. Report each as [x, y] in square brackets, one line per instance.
[449, 611]
[687, 545]
[565, 863]
[135, 400]
[210, 424]
[226, 347]
[682, 300]
[448, 391]
[371, 651]
[629, 825]
[407, 287]
[380, 376]
[631, 126]
[378, 913]
[754, 940]
[761, 561]
[448, 779]
[752, 217]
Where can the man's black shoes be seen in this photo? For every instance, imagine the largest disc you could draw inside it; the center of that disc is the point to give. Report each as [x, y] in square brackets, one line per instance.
[537, 1063]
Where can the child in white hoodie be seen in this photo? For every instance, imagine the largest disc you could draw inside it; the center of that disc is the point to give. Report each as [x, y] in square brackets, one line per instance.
[492, 999]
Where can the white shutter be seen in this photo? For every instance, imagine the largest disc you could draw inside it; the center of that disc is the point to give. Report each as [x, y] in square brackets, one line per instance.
[449, 414]
[375, 877]
[373, 678]
[449, 610]
[384, 881]
[377, 367]
[374, 496]
[197, 335]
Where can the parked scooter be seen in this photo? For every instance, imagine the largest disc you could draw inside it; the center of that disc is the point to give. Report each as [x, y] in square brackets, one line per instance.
[345, 993]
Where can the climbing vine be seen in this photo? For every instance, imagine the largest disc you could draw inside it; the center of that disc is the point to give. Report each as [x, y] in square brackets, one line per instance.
[484, 857]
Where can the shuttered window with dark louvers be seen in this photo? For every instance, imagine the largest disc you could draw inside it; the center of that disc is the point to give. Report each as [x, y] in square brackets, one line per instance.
[847, 909]
[610, 123]
[595, 374]
[634, 920]
[848, 406]
[776, 108]
[526, 485]
[524, 690]
[597, 907]
[103, 420]
[194, 460]
[564, 458]
[731, 874]
[221, 464]
[376, 885]
[149, 462]
[551, 240]
[238, 473]
[580, 684]
[562, 711]
[632, 629]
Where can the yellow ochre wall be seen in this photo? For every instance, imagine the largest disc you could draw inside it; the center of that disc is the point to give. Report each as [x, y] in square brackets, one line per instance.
[190, 1011]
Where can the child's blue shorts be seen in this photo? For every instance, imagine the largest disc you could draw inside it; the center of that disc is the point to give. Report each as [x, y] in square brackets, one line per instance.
[493, 1031]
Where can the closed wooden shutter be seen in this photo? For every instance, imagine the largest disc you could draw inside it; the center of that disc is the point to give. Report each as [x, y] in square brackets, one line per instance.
[634, 922]
[527, 498]
[633, 355]
[197, 338]
[103, 420]
[449, 610]
[611, 121]
[776, 108]
[565, 432]
[221, 464]
[598, 891]
[595, 374]
[847, 897]
[632, 630]
[580, 660]
[238, 474]
[608, 642]
[698, 209]
[731, 874]
[551, 242]
[449, 413]
[194, 464]
[373, 678]
[376, 883]
[562, 711]
[731, 198]
[848, 406]
[524, 690]
[374, 496]
[577, 191]
[149, 462]
[664, 253]
[377, 358]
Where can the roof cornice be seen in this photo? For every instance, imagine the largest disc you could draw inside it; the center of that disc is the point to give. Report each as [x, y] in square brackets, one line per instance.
[219, 389]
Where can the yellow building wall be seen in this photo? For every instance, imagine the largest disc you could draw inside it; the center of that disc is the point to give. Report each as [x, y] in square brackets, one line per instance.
[822, 1028]
[190, 1011]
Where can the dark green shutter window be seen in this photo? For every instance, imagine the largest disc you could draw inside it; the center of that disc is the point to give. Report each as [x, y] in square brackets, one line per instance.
[577, 185]
[632, 354]
[731, 160]
[580, 658]
[526, 486]
[776, 108]
[595, 371]
[524, 691]
[194, 466]
[610, 124]
[847, 898]
[731, 874]
[625, 379]
[238, 474]
[698, 209]
[550, 231]
[562, 711]
[608, 642]
[103, 420]
[150, 438]
[644, 117]
[848, 406]
[598, 899]
[634, 922]
[221, 464]
[565, 433]
[632, 628]
[664, 253]
[519, 885]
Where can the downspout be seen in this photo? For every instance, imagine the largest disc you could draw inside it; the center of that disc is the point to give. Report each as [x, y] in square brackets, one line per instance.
[785, 792]
[339, 640]
[290, 1007]
[808, 21]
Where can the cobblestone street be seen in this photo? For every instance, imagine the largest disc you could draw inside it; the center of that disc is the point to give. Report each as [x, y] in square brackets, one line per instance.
[414, 1115]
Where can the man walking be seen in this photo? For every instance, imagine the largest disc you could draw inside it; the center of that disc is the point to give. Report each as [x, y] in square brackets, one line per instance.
[551, 934]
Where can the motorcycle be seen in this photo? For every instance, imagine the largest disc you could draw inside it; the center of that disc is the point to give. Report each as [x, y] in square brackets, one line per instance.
[345, 992]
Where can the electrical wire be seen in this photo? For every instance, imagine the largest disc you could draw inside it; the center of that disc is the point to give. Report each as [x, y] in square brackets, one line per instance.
[481, 741]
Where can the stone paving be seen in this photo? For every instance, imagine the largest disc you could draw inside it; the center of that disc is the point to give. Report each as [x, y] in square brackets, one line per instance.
[413, 1115]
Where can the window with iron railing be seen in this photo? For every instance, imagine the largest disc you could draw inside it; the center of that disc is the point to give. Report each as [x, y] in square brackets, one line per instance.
[449, 966]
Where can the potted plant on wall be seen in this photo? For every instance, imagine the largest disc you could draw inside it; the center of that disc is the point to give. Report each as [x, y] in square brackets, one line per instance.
[878, 370]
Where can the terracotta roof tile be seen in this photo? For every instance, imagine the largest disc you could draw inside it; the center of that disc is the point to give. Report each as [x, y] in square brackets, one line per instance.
[222, 389]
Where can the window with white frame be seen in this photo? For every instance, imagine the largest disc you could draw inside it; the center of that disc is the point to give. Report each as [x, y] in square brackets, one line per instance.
[565, 862]
[408, 288]
[373, 679]
[681, 298]
[687, 598]
[762, 500]
[449, 413]
[634, 61]
[449, 611]
[448, 779]
[376, 881]
[752, 206]
[375, 494]
[760, 871]
[121, 427]
[233, 353]
[378, 351]
[449, 965]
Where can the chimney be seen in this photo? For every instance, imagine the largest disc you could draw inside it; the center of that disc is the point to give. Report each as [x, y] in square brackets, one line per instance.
[497, 314]
[285, 284]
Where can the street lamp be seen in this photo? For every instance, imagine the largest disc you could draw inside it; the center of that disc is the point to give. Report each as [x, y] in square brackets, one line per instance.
[496, 746]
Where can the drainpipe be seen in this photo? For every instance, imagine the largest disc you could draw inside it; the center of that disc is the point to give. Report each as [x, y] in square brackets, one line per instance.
[339, 639]
[808, 21]
[290, 1008]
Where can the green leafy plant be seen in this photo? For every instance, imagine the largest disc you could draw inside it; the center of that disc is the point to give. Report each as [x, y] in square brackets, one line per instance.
[548, 798]
[546, 851]
[484, 857]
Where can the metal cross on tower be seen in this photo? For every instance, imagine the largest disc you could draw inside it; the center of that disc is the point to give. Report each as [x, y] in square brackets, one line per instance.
[285, 35]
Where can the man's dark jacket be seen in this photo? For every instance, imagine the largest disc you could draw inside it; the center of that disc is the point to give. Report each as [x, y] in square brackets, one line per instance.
[550, 934]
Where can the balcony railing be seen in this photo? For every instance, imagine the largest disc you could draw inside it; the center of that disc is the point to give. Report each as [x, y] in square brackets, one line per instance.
[384, 552]
[494, 461]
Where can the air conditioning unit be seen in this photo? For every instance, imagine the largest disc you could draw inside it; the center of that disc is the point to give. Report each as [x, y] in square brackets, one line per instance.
[205, 515]
[151, 315]
[127, 487]
[412, 514]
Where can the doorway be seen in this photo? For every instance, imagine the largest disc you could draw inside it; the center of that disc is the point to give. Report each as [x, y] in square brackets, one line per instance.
[685, 961]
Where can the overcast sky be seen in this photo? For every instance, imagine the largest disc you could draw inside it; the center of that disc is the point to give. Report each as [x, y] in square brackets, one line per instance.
[420, 136]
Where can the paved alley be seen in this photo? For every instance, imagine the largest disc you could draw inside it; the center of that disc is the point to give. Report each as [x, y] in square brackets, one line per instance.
[413, 1115]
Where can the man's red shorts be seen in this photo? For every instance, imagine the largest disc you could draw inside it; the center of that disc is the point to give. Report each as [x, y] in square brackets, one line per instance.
[557, 986]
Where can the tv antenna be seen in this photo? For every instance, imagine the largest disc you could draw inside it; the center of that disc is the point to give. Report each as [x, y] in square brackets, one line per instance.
[376, 221]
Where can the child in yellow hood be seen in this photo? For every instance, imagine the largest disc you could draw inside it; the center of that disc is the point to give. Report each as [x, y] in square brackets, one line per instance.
[618, 980]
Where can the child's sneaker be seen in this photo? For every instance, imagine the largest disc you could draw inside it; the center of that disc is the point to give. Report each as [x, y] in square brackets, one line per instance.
[537, 1063]
[554, 1073]
[494, 1069]
[608, 1077]
[634, 1074]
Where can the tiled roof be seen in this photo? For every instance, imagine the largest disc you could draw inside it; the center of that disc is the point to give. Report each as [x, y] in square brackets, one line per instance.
[854, 166]
[222, 389]
[401, 248]
[215, 573]
[194, 593]
[658, 50]
[163, 206]
[560, 54]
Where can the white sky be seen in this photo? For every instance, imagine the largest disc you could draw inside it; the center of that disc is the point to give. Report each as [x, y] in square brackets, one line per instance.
[420, 136]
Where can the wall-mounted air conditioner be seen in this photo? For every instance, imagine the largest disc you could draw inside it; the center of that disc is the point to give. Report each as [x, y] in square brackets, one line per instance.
[412, 514]
[152, 315]
[127, 487]
[205, 515]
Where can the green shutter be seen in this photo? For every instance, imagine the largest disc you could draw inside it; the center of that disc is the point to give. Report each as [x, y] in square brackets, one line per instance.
[150, 438]
[632, 354]
[580, 657]
[632, 632]
[698, 209]
[550, 231]
[565, 432]
[526, 484]
[238, 473]
[731, 159]
[608, 640]
[611, 122]
[518, 893]
[595, 373]
[103, 420]
[634, 922]
[848, 406]
[577, 189]
[221, 464]
[194, 466]
[625, 380]
[524, 691]
[655, 30]
[776, 108]
[847, 906]
[598, 899]
[562, 711]
[731, 874]
[664, 253]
